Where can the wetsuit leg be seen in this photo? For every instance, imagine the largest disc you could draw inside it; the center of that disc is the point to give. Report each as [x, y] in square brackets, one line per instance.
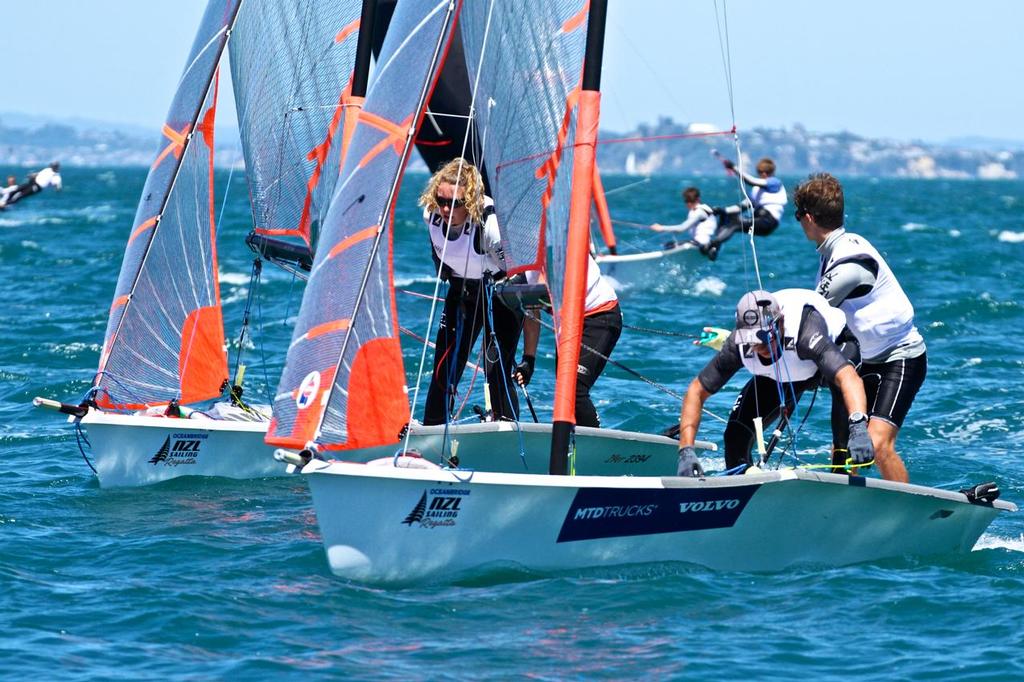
[762, 222]
[850, 349]
[499, 359]
[759, 397]
[24, 189]
[460, 325]
[600, 332]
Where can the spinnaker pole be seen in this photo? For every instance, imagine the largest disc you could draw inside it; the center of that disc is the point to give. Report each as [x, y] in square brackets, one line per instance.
[574, 289]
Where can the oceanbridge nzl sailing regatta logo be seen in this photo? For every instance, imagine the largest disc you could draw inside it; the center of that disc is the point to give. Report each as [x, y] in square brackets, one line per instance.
[437, 507]
[179, 449]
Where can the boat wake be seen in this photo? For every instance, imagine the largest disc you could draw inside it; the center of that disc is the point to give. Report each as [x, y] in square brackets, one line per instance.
[992, 541]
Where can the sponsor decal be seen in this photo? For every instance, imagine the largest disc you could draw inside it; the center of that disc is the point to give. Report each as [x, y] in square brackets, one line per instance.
[815, 338]
[179, 449]
[308, 390]
[627, 459]
[437, 507]
[611, 512]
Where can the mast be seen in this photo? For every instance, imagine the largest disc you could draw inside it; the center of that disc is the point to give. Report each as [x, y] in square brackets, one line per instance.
[578, 248]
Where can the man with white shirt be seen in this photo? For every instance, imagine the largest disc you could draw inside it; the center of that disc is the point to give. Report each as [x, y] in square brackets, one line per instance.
[855, 278]
[700, 222]
[38, 181]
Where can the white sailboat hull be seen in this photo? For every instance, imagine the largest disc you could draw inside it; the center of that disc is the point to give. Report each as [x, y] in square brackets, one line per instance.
[637, 268]
[385, 524]
[132, 450]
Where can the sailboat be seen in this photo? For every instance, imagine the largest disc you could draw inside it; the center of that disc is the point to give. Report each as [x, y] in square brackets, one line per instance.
[406, 517]
[150, 414]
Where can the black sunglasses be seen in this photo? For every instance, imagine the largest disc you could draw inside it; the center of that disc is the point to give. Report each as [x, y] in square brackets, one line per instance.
[442, 201]
[800, 213]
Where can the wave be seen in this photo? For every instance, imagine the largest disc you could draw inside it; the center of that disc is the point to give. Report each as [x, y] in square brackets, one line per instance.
[1011, 237]
[991, 541]
[913, 227]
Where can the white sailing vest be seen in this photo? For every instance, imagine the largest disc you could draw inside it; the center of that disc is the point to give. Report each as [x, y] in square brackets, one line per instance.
[773, 202]
[460, 254]
[791, 367]
[48, 177]
[884, 318]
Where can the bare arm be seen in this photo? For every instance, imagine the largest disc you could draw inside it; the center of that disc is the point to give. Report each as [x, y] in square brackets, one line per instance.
[852, 388]
[689, 416]
[531, 336]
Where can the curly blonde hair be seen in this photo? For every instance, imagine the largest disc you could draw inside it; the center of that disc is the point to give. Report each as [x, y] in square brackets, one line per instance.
[463, 175]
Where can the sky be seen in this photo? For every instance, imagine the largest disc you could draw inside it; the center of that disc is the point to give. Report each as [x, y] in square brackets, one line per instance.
[893, 69]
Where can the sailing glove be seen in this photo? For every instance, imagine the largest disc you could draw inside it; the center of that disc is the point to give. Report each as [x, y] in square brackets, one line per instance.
[729, 165]
[524, 370]
[861, 449]
[689, 466]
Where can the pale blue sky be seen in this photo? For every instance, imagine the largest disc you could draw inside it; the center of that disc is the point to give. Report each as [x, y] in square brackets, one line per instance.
[913, 69]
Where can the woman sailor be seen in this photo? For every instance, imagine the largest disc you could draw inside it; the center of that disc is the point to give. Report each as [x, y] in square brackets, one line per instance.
[466, 247]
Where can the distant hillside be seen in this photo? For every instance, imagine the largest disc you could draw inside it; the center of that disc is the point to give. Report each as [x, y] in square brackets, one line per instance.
[664, 148]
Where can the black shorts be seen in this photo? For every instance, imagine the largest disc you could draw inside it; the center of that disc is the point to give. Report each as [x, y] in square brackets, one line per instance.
[892, 386]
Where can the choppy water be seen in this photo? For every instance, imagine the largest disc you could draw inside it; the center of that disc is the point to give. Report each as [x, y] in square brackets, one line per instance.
[199, 579]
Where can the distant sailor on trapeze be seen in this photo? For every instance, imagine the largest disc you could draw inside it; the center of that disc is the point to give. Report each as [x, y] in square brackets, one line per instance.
[700, 222]
[38, 181]
[764, 203]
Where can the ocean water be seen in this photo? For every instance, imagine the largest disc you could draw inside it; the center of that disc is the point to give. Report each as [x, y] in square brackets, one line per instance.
[201, 579]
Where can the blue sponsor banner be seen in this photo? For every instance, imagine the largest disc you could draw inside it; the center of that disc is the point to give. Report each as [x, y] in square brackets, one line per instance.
[615, 512]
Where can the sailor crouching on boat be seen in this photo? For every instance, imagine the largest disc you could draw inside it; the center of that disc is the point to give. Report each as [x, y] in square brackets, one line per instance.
[602, 326]
[855, 278]
[789, 341]
[466, 248]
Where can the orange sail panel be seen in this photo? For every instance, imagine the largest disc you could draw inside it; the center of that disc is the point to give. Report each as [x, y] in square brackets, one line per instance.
[202, 363]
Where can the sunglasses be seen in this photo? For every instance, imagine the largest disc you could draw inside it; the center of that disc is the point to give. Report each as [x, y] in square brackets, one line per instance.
[800, 213]
[450, 203]
[765, 336]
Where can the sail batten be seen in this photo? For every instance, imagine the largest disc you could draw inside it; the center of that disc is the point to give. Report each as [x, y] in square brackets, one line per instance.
[347, 390]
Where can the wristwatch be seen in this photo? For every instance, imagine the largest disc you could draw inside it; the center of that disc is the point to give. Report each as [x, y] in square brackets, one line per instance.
[858, 417]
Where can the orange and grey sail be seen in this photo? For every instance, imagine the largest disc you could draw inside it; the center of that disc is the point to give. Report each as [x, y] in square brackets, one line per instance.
[343, 385]
[165, 334]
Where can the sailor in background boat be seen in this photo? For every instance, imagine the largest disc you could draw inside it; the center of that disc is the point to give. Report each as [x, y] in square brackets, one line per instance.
[602, 326]
[789, 341]
[854, 277]
[38, 181]
[700, 222]
[765, 200]
[12, 184]
[466, 247]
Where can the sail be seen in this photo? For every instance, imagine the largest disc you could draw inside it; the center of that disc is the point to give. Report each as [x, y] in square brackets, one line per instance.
[527, 59]
[165, 335]
[440, 139]
[343, 385]
[291, 67]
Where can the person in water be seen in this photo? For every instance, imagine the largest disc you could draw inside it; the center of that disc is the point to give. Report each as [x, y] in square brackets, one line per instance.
[602, 326]
[700, 222]
[38, 181]
[467, 253]
[855, 278]
[789, 341]
[765, 202]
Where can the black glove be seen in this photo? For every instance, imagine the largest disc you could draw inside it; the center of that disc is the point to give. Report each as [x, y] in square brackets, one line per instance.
[729, 165]
[861, 449]
[524, 370]
[689, 466]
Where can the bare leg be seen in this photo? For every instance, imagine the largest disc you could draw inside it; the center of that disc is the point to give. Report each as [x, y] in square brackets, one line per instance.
[883, 437]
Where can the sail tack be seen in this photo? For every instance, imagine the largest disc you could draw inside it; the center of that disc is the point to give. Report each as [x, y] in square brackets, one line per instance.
[165, 335]
[344, 384]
